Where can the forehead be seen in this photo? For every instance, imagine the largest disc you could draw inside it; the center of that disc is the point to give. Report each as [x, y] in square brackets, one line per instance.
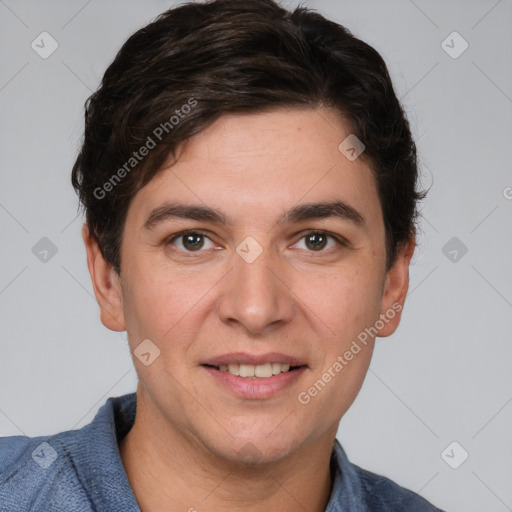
[281, 137]
[262, 164]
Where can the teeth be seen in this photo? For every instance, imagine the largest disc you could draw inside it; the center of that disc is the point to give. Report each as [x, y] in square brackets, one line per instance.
[261, 371]
[234, 369]
[247, 370]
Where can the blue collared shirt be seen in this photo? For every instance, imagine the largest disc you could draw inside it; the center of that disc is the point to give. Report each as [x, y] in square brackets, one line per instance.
[82, 471]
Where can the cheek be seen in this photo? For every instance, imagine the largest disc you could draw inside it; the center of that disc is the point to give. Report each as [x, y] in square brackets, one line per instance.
[151, 304]
[165, 307]
[346, 301]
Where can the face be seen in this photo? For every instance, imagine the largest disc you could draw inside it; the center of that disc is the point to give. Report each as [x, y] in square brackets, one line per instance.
[255, 265]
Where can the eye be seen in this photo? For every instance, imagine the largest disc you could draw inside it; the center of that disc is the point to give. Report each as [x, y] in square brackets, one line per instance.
[191, 241]
[317, 241]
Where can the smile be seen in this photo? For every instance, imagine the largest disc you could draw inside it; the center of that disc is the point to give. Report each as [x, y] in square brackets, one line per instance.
[261, 371]
[261, 380]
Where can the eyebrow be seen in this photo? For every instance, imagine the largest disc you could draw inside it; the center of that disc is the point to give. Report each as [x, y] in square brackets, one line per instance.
[302, 212]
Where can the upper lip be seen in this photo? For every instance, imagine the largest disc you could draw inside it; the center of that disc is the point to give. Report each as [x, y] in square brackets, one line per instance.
[254, 359]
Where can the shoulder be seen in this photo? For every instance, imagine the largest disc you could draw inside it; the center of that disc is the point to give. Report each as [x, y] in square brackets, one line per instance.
[78, 470]
[383, 495]
[36, 470]
[18, 453]
[363, 491]
[11, 449]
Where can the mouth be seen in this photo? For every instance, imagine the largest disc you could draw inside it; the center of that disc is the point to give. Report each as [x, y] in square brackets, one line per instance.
[255, 376]
[251, 371]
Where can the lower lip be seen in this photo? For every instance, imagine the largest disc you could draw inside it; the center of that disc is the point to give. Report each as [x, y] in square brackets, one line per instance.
[257, 388]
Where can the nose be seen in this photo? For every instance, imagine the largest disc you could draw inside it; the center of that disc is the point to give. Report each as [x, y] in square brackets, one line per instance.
[255, 295]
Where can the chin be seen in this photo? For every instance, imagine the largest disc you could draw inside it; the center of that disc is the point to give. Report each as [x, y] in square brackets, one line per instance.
[256, 450]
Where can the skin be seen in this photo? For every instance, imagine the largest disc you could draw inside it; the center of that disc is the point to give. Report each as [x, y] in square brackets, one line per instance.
[183, 452]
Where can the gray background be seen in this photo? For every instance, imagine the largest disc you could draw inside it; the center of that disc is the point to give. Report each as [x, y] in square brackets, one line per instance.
[444, 376]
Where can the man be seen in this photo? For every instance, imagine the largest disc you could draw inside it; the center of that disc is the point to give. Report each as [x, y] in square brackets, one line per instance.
[249, 182]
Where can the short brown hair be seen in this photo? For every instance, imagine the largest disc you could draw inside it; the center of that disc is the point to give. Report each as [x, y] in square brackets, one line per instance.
[199, 61]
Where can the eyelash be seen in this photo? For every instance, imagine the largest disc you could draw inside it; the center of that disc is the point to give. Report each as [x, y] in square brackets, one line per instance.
[339, 240]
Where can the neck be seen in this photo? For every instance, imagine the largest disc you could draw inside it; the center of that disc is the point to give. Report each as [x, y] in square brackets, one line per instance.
[172, 472]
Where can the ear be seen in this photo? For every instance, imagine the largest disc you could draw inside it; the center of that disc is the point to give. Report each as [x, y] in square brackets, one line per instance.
[395, 290]
[106, 284]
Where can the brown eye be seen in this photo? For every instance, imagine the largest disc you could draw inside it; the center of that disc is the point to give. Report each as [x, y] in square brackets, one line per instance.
[191, 241]
[316, 241]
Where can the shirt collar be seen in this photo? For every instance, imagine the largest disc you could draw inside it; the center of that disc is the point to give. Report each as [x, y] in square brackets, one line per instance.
[347, 492]
[97, 459]
[101, 471]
